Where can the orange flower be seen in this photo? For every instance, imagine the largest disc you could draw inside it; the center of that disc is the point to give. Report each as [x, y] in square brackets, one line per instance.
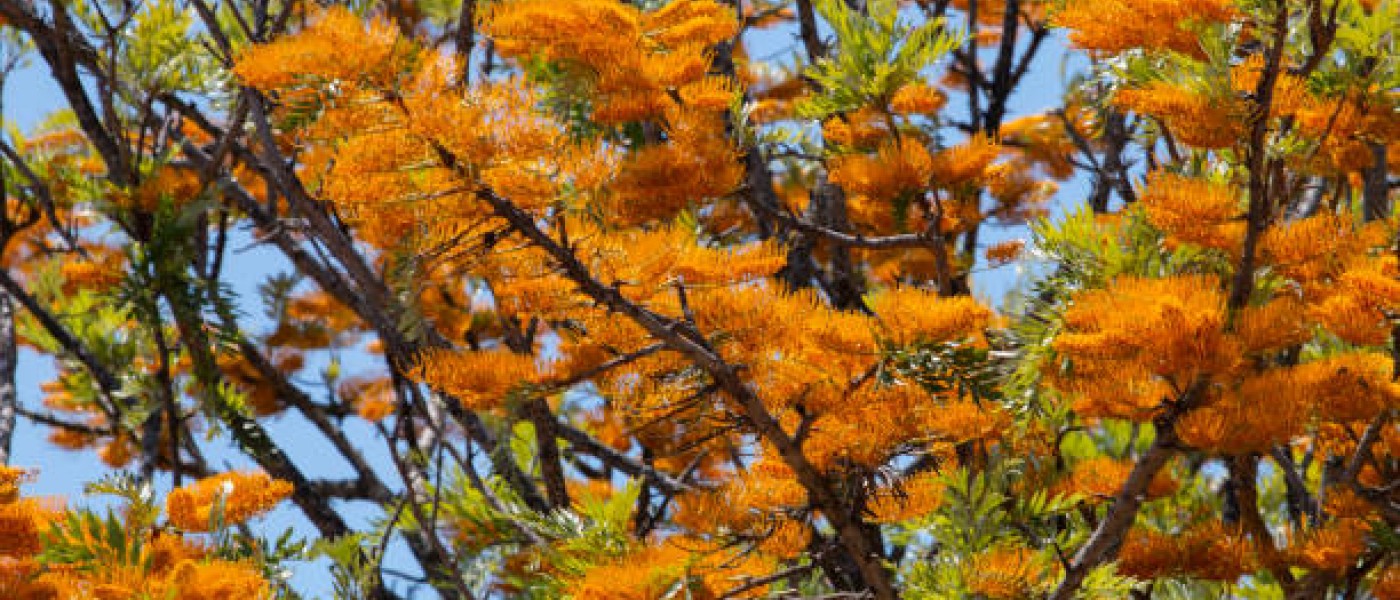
[1005, 252]
[1209, 551]
[1195, 211]
[167, 550]
[710, 93]
[82, 274]
[1194, 118]
[338, 46]
[479, 379]
[374, 408]
[912, 499]
[373, 398]
[219, 580]
[1333, 547]
[965, 162]
[964, 420]
[918, 98]
[243, 495]
[16, 575]
[861, 129]
[10, 478]
[22, 522]
[910, 313]
[1273, 407]
[895, 169]
[1138, 329]
[644, 575]
[1387, 584]
[1281, 323]
[1117, 25]
[1007, 573]
[1100, 479]
[118, 452]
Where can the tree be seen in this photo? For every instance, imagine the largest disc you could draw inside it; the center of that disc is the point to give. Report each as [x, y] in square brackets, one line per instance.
[656, 318]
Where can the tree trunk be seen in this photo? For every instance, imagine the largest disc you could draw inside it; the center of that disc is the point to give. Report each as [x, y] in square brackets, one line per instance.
[9, 362]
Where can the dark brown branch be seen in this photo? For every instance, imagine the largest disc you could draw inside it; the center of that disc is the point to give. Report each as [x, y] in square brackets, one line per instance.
[682, 338]
[1321, 34]
[975, 80]
[443, 566]
[44, 195]
[807, 22]
[57, 422]
[1038, 37]
[1244, 475]
[1363, 446]
[63, 48]
[248, 433]
[1259, 199]
[1000, 89]
[1300, 500]
[500, 454]
[9, 363]
[1108, 535]
[758, 582]
[539, 414]
[466, 38]
[584, 443]
[351, 489]
[215, 30]
[852, 240]
[608, 365]
[383, 311]
[108, 383]
[318, 417]
[327, 277]
[1375, 191]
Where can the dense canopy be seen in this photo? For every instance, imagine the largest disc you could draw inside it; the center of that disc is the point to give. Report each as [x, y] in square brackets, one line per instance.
[610, 299]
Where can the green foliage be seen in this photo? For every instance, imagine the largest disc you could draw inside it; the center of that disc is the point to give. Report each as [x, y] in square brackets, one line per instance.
[1090, 252]
[354, 562]
[982, 510]
[971, 519]
[1104, 583]
[87, 540]
[946, 368]
[493, 522]
[271, 558]
[155, 46]
[164, 55]
[140, 507]
[1371, 36]
[84, 541]
[161, 289]
[877, 53]
[564, 98]
[441, 12]
[276, 293]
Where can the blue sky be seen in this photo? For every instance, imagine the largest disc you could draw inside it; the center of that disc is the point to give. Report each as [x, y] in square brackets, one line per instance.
[30, 95]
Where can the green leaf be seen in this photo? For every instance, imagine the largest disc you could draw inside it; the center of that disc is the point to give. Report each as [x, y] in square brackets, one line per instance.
[875, 55]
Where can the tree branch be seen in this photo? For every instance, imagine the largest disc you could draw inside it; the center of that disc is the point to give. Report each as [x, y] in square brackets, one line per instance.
[682, 338]
[1103, 544]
